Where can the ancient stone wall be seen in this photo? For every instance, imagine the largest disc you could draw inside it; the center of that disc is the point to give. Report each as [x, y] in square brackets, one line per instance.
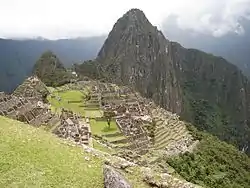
[74, 128]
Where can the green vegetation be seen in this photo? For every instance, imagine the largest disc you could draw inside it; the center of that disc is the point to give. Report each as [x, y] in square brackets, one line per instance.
[71, 100]
[114, 138]
[31, 157]
[93, 113]
[214, 164]
[88, 68]
[207, 116]
[99, 127]
[135, 177]
[108, 115]
[216, 97]
[50, 70]
[108, 132]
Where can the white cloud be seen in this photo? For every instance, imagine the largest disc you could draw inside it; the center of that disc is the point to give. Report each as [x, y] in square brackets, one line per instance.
[72, 18]
[216, 17]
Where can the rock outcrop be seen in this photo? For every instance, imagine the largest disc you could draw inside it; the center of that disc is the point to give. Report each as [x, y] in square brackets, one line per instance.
[113, 179]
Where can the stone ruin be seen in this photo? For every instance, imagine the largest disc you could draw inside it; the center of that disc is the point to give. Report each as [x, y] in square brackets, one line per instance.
[74, 128]
[10, 105]
[23, 110]
[134, 118]
[171, 134]
[135, 133]
[93, 102]
[114, 179]
[38, 116]
[33, 89]
[130, 115]
[26, 104]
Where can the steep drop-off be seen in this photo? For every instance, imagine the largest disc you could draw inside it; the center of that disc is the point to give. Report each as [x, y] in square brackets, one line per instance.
[216, 95]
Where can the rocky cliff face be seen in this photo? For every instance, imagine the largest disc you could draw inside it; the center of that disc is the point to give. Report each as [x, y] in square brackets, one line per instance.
[204, 89]
[136, 53]
[215, 94]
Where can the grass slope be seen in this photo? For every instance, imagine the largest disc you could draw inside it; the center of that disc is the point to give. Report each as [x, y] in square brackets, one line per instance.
[100, 128]
[32, 157]
[72, 100]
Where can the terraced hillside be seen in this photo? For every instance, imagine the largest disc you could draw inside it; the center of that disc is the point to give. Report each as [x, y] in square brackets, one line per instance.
[171, 133]
[132, 119]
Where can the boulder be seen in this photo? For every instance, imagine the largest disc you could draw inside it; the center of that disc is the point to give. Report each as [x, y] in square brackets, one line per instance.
[113, 179]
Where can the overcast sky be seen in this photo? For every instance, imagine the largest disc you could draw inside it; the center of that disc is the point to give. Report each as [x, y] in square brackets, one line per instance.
[73, 18]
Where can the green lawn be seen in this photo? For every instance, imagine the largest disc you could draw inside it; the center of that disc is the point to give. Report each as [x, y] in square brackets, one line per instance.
[32, 157]
[71, 100]
[93, 113]
[101, 127]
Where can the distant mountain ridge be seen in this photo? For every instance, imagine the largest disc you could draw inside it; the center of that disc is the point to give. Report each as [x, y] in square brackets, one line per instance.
[17, 57]
[204, 89]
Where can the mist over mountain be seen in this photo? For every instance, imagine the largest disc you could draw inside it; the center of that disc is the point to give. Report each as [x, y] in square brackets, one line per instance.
[233, 46]
[17, 57]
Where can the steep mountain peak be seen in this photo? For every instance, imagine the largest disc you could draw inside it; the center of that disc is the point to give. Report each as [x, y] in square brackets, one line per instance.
[133, 20]
[135, 15]
[49, 58]
[50, 69]
[136, 54]
[135, 11]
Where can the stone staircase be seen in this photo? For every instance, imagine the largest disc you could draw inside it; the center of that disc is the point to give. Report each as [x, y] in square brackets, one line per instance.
[171, 134]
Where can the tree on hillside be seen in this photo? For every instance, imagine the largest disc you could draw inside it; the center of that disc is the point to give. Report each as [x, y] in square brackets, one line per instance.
[108, 116]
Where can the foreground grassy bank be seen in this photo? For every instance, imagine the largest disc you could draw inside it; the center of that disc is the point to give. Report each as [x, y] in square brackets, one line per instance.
[31, 157]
